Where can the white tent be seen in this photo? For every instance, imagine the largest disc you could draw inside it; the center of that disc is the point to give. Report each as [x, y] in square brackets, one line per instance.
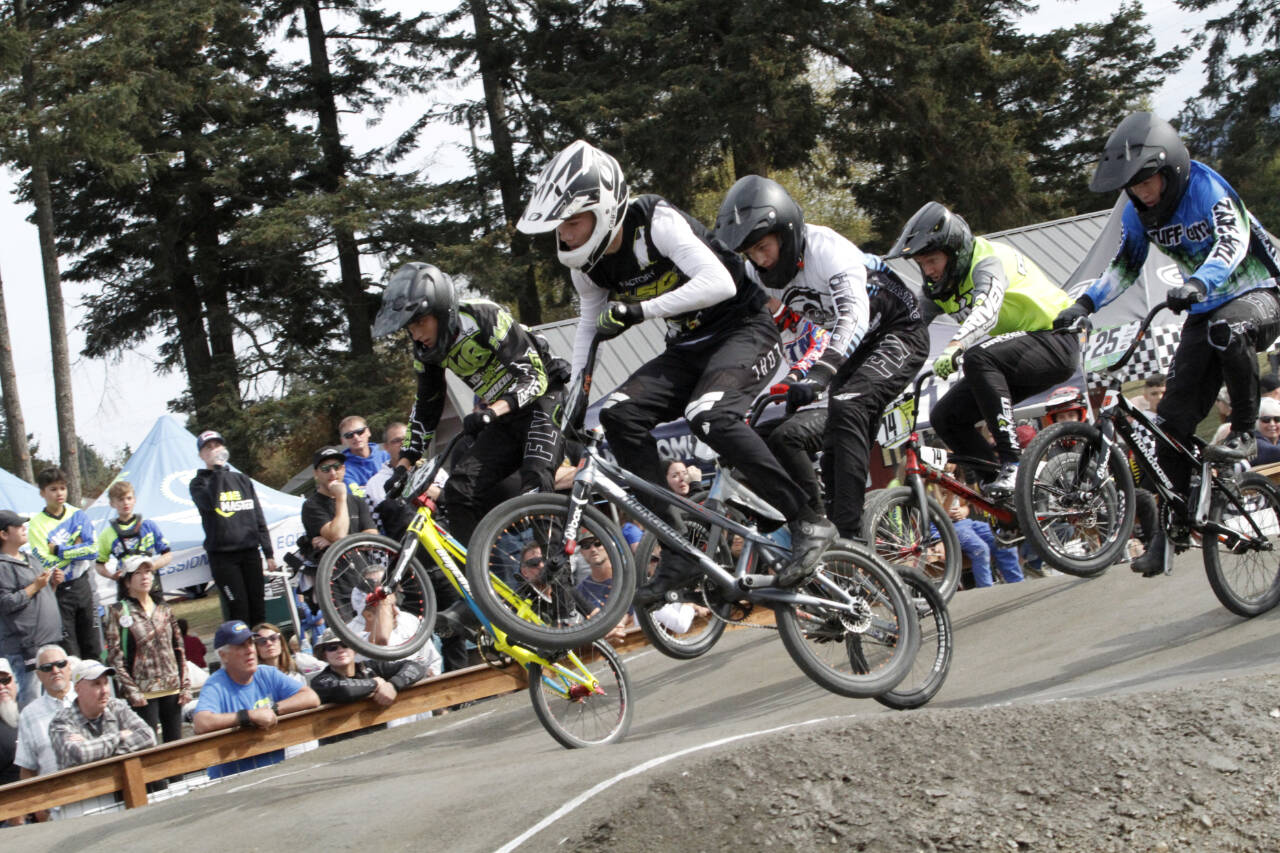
[160, 471]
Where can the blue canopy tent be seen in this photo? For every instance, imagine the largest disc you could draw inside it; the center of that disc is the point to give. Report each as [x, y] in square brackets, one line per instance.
[18, 495]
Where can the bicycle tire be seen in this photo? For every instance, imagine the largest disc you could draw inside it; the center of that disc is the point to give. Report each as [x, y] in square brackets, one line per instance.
[932, 663]
[1246, 582]
[557, 617]
[1063, 524]
[894, 528]
[350, 565]
[583, 720]
[821, 640]
[704, 631]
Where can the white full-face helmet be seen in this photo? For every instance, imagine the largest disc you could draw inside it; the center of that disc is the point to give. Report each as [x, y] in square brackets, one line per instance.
[579, 179]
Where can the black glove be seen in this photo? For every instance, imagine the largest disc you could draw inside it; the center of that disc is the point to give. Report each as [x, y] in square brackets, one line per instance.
[395, 483]
[801, 394]
[1067, 317]
[473, 423]
[617, 318]
[1182, 297]
[558, 371]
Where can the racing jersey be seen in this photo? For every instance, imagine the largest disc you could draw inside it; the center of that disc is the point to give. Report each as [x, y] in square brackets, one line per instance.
[141, 536]
[497, 358]
[802, 340]
[1210, 236]
[1002, 292]
[669, 263]
[74, 546]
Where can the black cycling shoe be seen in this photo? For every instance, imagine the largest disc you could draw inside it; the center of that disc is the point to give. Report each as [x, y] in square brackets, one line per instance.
[456, 620]
[1151, 563]
[1233, 448]
[674, 572]
[1004, 482]
[809, 540]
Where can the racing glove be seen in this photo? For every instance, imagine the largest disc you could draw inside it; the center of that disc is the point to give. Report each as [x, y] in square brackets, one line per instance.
[473, 423]
[617, 318]
[395, 483]
[1182, 297]
[947, 363]
[1082, 307]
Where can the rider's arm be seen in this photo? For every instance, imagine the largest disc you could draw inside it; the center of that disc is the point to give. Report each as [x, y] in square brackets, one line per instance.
[427, 408]
[1230, 242]
[709, 281]
[592, 300]
[1127, 263]
[517, 351]
[849, 293]
[817, 339]
[989, 286]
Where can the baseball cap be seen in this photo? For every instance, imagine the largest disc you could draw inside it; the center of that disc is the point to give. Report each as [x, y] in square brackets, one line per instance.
[9, 518]
[325, 639]
[89, 669]
[1268, 407]
[134, 562]
[233, 633]
[327, 453]
[208, 436]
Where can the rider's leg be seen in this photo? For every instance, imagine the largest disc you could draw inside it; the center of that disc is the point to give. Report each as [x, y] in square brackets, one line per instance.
[793, 443]
[865, 385]
[543, 445]
[495, 454]
[1239, 330]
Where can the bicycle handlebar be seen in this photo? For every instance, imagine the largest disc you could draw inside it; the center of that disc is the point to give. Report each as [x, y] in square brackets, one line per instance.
[1138, 338]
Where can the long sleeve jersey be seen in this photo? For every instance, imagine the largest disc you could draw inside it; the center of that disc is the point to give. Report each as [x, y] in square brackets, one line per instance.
[1210, 236]
[65, 542]
[498, 359]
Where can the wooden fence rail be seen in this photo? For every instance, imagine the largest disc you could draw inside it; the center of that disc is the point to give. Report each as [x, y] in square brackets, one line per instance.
[129, 774]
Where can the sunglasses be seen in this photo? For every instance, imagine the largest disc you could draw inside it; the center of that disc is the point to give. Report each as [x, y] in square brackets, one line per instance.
[590, 543]
[1269, 419]
[5, 678]
[332, 466]
[49, 667]
[350, 434]
[533, 562]
[332, 647]
[263, 639]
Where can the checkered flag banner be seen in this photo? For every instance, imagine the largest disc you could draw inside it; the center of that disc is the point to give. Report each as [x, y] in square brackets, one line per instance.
[1153, 355]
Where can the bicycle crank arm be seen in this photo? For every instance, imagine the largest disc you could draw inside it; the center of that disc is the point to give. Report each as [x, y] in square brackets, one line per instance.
[757, 581]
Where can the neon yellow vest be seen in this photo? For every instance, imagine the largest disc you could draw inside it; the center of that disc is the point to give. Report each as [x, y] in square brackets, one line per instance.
[1031, 300]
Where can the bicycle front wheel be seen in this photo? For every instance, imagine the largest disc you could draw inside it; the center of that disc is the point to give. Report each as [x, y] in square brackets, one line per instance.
[932, 663]
[1075, 507]
[354, 568]
[906, 538]
[573, 713]
[859, 653]
[687, 628]
[1245, 572]
[567, 600]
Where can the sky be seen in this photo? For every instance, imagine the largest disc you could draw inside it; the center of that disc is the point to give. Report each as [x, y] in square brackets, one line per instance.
[116, 402]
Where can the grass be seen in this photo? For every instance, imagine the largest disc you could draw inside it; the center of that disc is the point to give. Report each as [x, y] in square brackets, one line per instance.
[203, 615]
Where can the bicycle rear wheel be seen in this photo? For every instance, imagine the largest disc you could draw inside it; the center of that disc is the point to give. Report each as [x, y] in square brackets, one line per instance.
[932, 663]
[572, 714]
[1245, 574]
[894, 526]
[882, 632]
[1078, 528]
[548, 607]
[351, 570]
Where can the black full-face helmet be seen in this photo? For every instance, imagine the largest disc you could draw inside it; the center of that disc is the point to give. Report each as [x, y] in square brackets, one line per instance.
[1138, 148]
[934, 228]
[415, 290]
[755, 207]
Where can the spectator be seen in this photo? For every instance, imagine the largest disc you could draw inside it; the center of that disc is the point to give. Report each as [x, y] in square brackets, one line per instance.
[977, 540]
[35, 753]
[234, 530]
[325, 519]
[375, 489]
[242, 694]
[1268, 433]
[129, 533]
[192, 647]
[1222, 408]
[62, 537]
[345, 679]
[597, 586]
[385, 624]
[1026, 433]
[274, 651]
[29, 613]
[678, 477]
[1269, 386]
[1152, 391]
[1067, 403]
[363, 457]
[144, 648]
[9, 713]
[96, 726]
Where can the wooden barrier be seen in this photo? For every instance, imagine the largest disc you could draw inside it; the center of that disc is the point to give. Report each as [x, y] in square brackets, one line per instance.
[129, 774]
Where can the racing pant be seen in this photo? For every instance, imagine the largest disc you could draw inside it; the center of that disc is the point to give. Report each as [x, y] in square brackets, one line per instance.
[845, 430]
[999, 372]
[1216, 347]
[712, 383]
[526, 440]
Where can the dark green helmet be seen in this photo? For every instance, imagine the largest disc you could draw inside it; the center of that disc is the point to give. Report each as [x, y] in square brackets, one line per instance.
[934, 228]
[417, 289]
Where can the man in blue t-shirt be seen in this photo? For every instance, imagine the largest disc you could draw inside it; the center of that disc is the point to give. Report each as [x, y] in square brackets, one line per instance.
[242, 694]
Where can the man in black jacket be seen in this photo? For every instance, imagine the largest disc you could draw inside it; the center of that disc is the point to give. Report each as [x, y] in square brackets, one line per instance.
[348, 680]
[234, 530]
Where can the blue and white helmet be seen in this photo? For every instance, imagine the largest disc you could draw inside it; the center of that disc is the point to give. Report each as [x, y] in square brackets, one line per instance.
[579, 179]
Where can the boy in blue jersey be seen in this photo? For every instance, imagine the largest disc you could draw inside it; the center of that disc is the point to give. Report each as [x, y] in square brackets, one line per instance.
[129, 533]
[1229, 291]
[62, 537]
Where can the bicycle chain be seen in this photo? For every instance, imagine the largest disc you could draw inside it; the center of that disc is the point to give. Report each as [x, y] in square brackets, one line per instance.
[739, 622]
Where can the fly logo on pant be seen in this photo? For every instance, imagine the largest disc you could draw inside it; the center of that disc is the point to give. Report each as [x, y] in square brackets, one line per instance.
[888, 357]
